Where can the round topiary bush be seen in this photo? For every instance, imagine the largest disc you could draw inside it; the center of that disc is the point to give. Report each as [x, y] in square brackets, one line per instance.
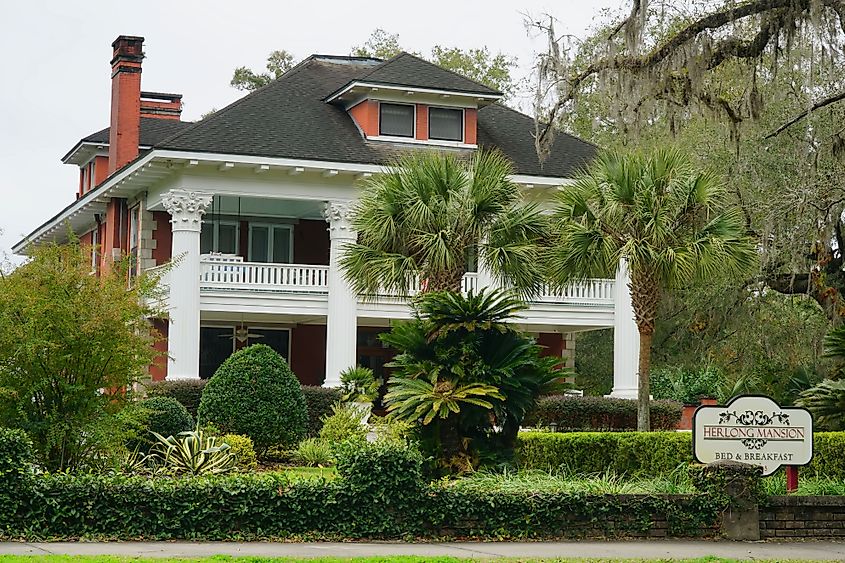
[256, 394]
[167, 416]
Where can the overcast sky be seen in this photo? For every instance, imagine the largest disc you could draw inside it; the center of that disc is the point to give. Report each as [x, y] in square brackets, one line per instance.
[54, 60]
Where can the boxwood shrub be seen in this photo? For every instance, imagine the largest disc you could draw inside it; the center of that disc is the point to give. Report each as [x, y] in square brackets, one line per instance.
[256, 394]
[599, 414]
[634, 454]
[647, 454]
[167, 416]
[319, 401]
[186, 391]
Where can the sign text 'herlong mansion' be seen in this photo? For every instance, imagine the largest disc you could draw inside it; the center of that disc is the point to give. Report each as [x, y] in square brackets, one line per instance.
[753, 429]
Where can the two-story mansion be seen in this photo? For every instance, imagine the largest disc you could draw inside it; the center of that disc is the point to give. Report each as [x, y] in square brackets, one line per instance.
[255, 202]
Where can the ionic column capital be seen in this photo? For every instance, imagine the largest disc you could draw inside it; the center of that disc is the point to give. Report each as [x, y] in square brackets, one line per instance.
[338, 215]
[186, 209]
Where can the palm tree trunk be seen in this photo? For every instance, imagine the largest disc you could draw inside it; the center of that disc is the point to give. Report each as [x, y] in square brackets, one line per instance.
[643, 392]
[444, 281]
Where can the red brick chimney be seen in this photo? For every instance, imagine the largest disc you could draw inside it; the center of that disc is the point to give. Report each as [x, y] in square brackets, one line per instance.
[125, 127]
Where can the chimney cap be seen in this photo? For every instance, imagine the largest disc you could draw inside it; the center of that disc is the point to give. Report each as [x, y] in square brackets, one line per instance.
[127, 39]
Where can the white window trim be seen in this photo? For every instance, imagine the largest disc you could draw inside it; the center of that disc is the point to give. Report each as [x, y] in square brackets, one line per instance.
[463, 124]
[397, 137]
[287, 226]
[95, 249]
[430, 142]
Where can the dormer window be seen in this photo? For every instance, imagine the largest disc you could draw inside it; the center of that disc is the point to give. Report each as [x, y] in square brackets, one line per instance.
[396, 120]
[446, 124]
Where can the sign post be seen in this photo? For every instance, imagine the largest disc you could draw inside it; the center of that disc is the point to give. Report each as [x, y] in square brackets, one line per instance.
[754, 429]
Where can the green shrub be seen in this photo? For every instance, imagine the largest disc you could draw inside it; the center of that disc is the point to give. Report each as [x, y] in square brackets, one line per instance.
[634, 454]
[243, 451]
[600, 414]
[344, 424]
[685, 385]
[828, 456]
[319, 401]
[186, 391]
[16, 458]
[313, 452]
[255, 393]
[166, 416]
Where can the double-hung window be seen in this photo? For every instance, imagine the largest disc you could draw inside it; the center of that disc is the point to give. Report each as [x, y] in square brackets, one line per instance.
[270, 243]
[396, 120]
[219, 236]
[446, 124]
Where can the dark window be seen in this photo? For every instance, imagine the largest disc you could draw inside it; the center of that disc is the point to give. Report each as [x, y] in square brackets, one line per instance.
[277, 339]
[216, 344]
[445, 124]
[396, 120]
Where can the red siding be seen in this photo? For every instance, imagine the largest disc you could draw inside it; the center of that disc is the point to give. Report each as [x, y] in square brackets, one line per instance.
[163, 236]
[470, 126]
[158, 369]
[365, 115]
[422, 122]
[553, 344]
[311, 242]
[308, 353]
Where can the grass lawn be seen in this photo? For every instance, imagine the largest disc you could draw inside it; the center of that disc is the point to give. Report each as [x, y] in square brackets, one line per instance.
[387, 559]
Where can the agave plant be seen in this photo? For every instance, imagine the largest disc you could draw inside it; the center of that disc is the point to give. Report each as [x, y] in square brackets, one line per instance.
[193, 452]
[827, 403]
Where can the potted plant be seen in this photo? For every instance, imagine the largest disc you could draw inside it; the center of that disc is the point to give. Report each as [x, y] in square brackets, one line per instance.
[360, 386]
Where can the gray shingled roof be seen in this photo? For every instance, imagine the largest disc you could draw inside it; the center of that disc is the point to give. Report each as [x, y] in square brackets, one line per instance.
[407, 70]
[153, 130]
[289, 118]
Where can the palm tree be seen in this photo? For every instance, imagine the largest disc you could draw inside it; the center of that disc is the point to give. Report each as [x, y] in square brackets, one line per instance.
[670, 222]
[431, 213]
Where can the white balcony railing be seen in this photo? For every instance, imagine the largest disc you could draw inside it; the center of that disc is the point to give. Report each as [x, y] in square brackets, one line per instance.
[233, 274]
[256, 276]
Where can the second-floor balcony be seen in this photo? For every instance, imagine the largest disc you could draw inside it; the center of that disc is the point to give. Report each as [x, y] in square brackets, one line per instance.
[301, 284]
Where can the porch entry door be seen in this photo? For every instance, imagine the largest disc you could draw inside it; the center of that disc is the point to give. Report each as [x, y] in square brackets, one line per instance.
[270, 243]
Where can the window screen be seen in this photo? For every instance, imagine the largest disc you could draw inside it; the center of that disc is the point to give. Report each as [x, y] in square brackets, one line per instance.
[396, 120]
[445, 124]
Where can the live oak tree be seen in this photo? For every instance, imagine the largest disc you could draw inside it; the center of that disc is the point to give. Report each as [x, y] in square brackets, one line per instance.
[754, 89]
[668, 221]
[479, 64]
[71, 344]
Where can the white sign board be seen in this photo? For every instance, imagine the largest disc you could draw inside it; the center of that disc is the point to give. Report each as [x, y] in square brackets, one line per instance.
[753, 429]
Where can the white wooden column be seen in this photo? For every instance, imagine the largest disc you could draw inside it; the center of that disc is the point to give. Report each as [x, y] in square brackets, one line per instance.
[626, 339]
[342, 320]
[183, 338]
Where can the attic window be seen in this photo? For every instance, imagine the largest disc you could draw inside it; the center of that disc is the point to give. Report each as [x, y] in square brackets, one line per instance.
[396, 120]
[446, 124]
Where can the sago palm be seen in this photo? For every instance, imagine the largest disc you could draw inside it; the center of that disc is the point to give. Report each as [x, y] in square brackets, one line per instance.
[432, 212]
[670, 222]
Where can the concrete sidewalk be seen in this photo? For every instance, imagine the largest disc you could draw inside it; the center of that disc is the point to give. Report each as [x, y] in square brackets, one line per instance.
[818, 550]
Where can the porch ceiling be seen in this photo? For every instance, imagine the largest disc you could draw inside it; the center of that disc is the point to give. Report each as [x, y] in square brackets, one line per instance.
[266, 207]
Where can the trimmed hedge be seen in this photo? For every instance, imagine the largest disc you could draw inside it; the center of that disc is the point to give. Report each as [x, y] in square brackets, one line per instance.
[186, 391]
[16, 456]
[600, 414]
[255, 393]
[380, 494]
[647, 454]
[634, 454]
[319, 401]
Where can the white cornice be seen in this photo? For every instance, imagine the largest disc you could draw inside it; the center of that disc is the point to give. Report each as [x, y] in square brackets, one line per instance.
[135, 178]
